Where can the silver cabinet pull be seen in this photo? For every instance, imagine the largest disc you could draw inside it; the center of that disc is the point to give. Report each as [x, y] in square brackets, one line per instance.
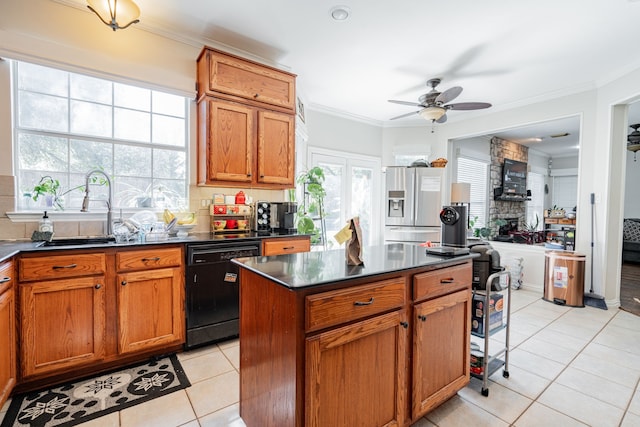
[98, 286]
[360, 303]
[59, 267]
[5, 279]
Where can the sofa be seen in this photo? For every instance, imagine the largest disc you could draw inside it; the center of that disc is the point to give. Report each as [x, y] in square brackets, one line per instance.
[631, 240]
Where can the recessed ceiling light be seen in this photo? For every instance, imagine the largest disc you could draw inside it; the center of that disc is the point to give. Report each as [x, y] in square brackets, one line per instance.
[340, 13]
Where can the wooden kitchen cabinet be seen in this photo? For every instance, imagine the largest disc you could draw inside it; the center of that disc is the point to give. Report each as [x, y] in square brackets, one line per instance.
[376, 351]
[356, 374]
[246, 123]
[441, 336]
[7, 331]
[286, 245]
[440, 350]
[82, 312]
[150, 300]
[62, 311]
[221, 74]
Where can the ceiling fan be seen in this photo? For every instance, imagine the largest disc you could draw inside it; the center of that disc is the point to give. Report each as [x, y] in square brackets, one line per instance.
[433, 104]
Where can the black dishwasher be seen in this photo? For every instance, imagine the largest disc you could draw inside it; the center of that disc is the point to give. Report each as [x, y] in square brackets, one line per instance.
[212, 290]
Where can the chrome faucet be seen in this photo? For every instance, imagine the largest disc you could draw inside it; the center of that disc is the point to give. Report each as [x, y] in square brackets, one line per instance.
[86, 200]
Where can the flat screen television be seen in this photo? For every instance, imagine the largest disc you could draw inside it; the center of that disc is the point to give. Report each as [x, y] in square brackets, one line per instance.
[514, 177]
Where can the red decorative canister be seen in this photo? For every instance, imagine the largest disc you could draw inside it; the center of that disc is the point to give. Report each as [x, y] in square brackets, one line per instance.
[240, 199]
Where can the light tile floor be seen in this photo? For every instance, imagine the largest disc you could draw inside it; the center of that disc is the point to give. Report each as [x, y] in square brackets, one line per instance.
[568, 367]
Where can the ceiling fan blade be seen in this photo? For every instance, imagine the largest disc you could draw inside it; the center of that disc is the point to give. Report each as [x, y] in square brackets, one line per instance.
[404, 115]
[413, 104]
[449, 94]
[442, 119]
[468, 106]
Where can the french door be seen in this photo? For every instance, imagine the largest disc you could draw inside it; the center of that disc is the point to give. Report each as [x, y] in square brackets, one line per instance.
[352, 183]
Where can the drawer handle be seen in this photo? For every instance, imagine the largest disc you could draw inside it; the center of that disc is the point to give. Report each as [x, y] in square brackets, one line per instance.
[404, 325]
[59, 267]
[360, 303]
[447, 280]
[256, 95]
[98, 286]
[422, 317]
[249, 175]
[261, 176]
[5, 279]
[155, 258]
[123, 283]
[288, 248]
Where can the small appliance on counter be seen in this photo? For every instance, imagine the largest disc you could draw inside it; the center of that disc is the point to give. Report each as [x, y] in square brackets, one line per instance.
[454, 226]
[285, 217]
[263, 216]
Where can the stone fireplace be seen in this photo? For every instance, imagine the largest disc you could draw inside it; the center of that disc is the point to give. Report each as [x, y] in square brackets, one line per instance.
[514, 212]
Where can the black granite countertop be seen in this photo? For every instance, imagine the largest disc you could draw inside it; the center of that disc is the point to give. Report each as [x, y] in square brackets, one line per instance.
[307, 269]
[11, 248]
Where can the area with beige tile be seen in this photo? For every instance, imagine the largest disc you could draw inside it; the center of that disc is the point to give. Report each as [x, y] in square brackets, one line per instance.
[567, 366]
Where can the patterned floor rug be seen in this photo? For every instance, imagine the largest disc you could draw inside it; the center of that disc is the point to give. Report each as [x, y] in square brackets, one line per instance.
[83, 400]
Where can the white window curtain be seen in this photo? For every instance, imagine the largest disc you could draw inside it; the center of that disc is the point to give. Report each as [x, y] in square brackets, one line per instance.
[476, 173]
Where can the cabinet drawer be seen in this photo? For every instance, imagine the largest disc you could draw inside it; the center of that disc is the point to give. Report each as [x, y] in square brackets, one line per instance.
[441, 282]
[235, 76]
[344, 305]
[61, 266]
[148, 259]
[285, 246]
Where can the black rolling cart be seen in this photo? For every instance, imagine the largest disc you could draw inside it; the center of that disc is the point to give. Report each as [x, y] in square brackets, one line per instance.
[491, 313]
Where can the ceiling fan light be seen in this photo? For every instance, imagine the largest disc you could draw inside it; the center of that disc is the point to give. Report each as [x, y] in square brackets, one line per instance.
[432, 113]
[117, 14]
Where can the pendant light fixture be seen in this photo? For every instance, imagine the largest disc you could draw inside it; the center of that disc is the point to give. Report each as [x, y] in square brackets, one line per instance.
[117, 14]
[633, 140]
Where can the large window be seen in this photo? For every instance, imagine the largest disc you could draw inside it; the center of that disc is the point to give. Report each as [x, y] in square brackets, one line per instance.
[475, 172]
[67, 124]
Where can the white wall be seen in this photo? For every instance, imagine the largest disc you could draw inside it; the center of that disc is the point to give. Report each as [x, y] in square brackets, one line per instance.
[338, 133]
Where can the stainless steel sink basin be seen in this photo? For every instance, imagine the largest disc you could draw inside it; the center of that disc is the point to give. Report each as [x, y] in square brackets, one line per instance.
[81, 241]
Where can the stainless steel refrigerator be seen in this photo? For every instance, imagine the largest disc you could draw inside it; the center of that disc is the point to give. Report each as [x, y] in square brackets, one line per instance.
[413, 203]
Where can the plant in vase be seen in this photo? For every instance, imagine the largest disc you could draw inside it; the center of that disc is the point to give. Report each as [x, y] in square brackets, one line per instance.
[49, 188]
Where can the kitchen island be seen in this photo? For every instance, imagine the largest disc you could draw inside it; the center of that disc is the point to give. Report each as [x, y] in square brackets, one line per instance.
[323, 343]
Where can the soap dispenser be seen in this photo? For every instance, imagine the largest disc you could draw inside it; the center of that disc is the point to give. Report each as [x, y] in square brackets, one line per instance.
[45, 224]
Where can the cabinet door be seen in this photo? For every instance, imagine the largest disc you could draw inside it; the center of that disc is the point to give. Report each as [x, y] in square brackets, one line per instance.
[7, 344]
[230, 142]
[276, 154]
[440, 350]
[150, 309]
[62, 324]
[356, 375]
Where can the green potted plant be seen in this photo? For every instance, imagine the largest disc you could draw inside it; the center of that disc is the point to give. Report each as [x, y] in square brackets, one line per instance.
[312, 205]
[49, 188]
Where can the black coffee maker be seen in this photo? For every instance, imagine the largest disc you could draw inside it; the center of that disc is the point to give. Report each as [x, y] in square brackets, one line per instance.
[285, 217]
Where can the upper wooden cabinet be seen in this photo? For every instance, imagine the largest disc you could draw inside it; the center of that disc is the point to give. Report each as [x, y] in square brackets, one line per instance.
[222, 73]
[246, 123]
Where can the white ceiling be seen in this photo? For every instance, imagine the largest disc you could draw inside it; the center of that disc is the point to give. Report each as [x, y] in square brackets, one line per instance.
[507, 53]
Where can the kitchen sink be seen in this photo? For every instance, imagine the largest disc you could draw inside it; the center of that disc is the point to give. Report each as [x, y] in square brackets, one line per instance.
[80, 241]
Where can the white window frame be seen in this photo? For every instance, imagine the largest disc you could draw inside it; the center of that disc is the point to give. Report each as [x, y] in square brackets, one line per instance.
[21, 214]
[349, 160]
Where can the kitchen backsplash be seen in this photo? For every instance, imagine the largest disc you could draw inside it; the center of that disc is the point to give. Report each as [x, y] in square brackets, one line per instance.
[10, 230]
